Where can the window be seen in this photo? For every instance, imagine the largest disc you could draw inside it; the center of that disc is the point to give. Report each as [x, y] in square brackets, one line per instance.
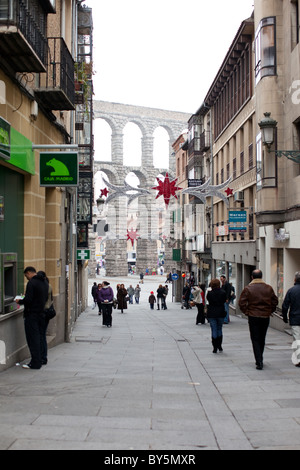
[6, 10]
[294, 23]
[265, 50]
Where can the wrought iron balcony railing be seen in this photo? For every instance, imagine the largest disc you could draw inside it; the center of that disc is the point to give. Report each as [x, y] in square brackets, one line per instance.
[23, 44]
[57, 86]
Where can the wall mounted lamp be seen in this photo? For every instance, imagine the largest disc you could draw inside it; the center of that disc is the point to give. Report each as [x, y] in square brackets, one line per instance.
[268, 127]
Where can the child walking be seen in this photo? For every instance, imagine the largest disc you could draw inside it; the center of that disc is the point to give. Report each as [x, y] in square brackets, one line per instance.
[152, 300]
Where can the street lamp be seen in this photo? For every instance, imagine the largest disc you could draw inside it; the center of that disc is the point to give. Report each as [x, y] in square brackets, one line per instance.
[268, 126]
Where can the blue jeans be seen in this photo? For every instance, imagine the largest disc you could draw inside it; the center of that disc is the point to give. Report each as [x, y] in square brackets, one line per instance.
[216, 327]
[226, 306]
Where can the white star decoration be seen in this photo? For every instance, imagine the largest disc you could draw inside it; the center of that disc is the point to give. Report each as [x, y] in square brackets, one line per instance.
[206, 190]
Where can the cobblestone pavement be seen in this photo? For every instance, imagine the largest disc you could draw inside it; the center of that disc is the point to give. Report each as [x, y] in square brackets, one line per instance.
[151, 382]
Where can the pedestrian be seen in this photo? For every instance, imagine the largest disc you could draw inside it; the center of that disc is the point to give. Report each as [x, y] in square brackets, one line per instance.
[98, 299]
[160, 297]
[232, 293]
[49, 303]
[137, 293]
[130, 291]
[166, 289]
[94, 294]
[216, 313]
[106, 297]
[121, 298]
[186, 294]
[291, 314]
[142, 278]
[226, 287]
[258, 301]
[34, 301]
[152, 300]
[199, 300]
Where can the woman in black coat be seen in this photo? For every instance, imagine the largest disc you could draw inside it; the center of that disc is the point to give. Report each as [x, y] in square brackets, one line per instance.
[121, 298]
[216, 313]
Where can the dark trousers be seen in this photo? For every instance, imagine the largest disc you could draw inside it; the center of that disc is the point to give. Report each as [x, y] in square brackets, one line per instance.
[35, 333]
[200, 316]
[258, 330]
[106, 314]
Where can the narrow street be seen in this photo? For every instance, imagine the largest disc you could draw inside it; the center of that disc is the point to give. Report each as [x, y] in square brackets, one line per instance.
[151, 382]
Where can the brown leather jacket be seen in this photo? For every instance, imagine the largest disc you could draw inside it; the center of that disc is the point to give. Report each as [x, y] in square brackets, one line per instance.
[258, 299]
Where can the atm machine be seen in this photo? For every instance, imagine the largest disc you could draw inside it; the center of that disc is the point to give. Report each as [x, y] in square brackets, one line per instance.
[8, 282]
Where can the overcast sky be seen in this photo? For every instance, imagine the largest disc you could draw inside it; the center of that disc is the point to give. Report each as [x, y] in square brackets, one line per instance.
[162, 53]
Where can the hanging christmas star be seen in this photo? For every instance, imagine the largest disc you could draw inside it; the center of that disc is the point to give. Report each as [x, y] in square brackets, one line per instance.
[207, 190]
[104, 192]
[229, 192]
[129, 191]
[166, 188]
[132, 235]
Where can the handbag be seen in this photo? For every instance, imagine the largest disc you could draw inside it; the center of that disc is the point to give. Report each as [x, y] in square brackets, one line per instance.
[50, 312]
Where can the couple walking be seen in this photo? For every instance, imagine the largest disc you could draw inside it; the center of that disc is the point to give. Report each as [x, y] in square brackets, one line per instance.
[258, 301]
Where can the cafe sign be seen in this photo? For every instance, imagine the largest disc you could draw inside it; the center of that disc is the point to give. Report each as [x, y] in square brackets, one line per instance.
[58, 169]
[4, 139]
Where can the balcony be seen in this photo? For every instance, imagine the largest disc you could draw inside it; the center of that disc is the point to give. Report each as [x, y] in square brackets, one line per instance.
[205, 141]
[23, 45]
[57, 86]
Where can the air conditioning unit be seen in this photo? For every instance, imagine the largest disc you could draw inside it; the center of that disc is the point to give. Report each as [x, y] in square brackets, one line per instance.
[239, 196]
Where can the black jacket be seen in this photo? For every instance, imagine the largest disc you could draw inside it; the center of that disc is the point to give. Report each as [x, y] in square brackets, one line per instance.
[216, 299]
[36, 296]
[291, 304]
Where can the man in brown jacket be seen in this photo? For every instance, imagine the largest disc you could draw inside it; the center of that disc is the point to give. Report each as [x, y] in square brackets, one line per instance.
[258, 301]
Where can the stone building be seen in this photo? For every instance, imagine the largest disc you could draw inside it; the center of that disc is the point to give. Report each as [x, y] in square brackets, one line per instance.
[255, 95]
[38, 47]
[277, 86]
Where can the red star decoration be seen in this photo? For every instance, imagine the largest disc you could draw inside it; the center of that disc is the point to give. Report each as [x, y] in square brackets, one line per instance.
[132, 235]
[104, 192]
[229, 192]
[166, 189]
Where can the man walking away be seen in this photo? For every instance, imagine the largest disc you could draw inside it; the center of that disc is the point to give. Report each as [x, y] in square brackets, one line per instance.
[36, 296]
[291, 313]
[258, 301]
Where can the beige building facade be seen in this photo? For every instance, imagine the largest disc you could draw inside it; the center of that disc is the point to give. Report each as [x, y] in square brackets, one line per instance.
[37, 109]
[258, 225]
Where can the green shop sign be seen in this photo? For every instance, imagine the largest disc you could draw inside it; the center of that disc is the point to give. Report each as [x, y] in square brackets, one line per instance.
[58, 169]
[4, 139]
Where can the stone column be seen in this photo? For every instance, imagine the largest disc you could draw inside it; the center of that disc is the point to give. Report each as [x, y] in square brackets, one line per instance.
[147, 151]
[117, 147]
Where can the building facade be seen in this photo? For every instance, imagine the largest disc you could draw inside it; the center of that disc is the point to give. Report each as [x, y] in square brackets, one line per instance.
[257, 226]
[38, 46]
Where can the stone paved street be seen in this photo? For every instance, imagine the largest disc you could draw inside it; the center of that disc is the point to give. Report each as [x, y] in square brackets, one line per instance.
[151, 382]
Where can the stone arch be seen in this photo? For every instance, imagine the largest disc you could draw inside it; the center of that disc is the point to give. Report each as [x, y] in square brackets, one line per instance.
[147, 119]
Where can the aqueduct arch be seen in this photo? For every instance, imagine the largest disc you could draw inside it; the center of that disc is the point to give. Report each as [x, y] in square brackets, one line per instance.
[148, 120]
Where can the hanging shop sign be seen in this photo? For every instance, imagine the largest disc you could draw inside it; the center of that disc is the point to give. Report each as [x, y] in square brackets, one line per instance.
[4, 139]
[58, 169]
[237, 221]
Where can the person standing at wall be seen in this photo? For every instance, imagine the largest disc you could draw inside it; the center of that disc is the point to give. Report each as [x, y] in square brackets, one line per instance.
[291, 314]
[36, 296]
[258, 301]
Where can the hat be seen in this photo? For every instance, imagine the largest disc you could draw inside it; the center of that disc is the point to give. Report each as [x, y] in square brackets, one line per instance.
[106, 283]
[152, 292]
